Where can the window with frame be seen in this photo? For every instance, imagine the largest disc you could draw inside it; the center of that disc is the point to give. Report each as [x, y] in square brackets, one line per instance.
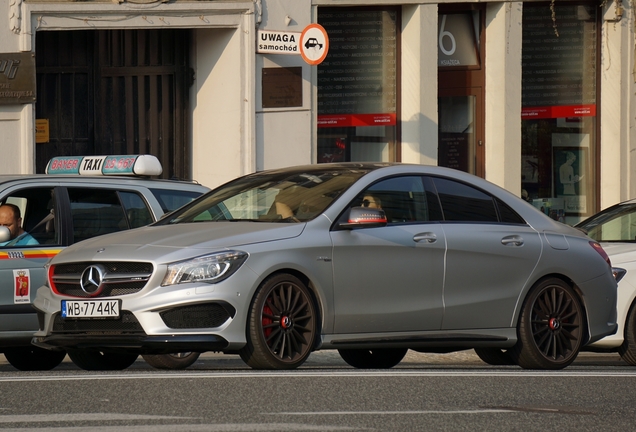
[559, 122]
[358, 85]
[464, 203]
[37, 212]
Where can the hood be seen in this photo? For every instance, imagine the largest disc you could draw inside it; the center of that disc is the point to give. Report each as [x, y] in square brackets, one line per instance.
[619, 252]
[173, 242]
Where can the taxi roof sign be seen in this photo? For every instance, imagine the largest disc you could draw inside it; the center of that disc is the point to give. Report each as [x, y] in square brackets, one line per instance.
[141, 165]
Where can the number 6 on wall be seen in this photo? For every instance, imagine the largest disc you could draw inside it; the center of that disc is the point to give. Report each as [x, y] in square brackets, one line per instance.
[448, 34]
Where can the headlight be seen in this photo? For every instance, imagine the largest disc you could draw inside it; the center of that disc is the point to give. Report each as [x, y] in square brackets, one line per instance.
[211, 268]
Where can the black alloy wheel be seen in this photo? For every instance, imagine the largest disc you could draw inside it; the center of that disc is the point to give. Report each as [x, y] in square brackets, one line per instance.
[627, 350]
[551, 327]
[281, 326]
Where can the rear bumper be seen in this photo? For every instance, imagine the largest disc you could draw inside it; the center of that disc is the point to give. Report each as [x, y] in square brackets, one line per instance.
[141, 344]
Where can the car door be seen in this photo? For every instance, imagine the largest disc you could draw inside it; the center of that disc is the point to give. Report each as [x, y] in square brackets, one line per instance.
[390, 279]
[22, 267]
[491, 253]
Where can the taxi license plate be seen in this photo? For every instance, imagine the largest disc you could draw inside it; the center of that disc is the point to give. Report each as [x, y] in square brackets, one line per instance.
[90, 308]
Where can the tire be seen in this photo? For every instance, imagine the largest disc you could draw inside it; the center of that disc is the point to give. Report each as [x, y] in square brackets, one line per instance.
[105, 361]
[551, 327]
[628, 349]
[171, 361]
[384, 358]
[281, 325]
[495, 356]
[34, 358]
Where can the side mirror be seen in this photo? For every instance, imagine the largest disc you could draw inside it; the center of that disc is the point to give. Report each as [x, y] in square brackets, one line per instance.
[364, 217]
[5, 234]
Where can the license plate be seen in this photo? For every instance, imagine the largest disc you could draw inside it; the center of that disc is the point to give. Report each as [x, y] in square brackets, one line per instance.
[90, 308]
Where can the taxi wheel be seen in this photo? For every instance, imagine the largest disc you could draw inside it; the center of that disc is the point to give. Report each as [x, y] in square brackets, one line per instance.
[98, 360]
[495, 356]
[34, 358]
[551, 327]
[281, 326]
[171, 361]
[383, 358]
[628, 349]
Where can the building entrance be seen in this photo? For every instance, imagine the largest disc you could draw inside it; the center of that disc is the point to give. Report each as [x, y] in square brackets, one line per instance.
[461, 90]
[115, 92]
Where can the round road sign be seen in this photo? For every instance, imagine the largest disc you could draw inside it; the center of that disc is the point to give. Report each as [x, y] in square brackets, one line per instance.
[314, 44]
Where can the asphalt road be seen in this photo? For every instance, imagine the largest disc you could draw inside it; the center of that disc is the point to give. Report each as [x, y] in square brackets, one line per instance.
[426, 392]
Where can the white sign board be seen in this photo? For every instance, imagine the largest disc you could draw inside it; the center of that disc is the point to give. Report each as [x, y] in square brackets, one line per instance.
[277, 42]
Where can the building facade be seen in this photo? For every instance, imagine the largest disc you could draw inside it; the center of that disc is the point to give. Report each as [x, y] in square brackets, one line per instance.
[537, 97]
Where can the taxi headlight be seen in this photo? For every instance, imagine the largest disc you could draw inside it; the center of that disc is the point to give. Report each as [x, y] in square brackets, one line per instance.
[211, 268]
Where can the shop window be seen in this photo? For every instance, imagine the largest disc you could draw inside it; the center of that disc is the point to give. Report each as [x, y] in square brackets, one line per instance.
[357, 85]
[559, 109]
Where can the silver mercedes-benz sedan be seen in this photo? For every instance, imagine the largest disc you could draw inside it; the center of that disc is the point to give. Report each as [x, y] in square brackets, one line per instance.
[371, 259]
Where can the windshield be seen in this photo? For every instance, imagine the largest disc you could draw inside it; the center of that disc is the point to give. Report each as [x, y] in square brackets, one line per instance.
[617, 223]
[276, 196]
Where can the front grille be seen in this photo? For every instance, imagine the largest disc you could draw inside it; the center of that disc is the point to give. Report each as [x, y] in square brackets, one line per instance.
[127, 324]
[198, 316]
[121, 278]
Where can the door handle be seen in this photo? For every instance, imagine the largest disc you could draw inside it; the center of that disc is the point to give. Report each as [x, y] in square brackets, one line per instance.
[427, 236]
[513, 240]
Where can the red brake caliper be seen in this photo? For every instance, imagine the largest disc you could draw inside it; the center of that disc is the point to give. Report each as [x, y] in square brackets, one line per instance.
[267, 321]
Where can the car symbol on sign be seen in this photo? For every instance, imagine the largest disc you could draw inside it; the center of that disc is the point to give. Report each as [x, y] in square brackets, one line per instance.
[312, 43]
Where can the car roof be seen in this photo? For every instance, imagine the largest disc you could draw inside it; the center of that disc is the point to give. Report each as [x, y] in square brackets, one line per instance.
[111, 179]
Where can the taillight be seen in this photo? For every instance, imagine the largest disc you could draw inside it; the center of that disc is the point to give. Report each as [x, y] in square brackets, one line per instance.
[598, 248]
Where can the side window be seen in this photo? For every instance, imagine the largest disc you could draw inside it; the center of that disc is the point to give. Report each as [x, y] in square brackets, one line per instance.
[508, 215]
[403, 199]
[464, 203]
[30, 217]
[171, 199]
[136, 209]
[95, 212]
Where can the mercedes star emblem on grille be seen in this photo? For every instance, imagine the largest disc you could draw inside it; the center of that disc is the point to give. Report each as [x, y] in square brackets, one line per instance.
[92, 278]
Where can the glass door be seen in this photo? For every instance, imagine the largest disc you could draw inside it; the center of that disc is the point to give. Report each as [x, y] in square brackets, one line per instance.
[460, 133]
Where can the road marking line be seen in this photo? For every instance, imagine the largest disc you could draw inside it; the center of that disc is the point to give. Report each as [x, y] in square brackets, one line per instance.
[322, 413]
[80, 376]
[82, 417]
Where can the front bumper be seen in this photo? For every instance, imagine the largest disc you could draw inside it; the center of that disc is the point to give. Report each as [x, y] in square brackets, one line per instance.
[141, 344]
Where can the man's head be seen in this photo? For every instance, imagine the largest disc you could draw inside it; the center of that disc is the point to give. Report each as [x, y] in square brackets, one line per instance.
[11, 218]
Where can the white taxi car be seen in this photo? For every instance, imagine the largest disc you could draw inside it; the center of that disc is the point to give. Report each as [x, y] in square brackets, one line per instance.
[78, 198]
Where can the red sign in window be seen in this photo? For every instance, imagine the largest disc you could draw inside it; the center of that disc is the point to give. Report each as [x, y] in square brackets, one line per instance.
[350, 120]
[558, 111]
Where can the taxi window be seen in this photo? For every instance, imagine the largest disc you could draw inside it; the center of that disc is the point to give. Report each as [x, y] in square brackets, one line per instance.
[36, 210]
[95, 212]
[171, 199]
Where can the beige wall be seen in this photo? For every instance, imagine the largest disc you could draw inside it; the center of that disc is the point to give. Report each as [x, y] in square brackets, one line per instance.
[503, 95]
[419, 84]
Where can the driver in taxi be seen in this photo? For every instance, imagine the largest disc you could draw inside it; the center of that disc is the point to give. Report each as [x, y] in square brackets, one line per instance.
[11, 218]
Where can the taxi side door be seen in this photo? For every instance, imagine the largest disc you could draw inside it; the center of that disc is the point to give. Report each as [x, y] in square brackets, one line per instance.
[22, 267]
